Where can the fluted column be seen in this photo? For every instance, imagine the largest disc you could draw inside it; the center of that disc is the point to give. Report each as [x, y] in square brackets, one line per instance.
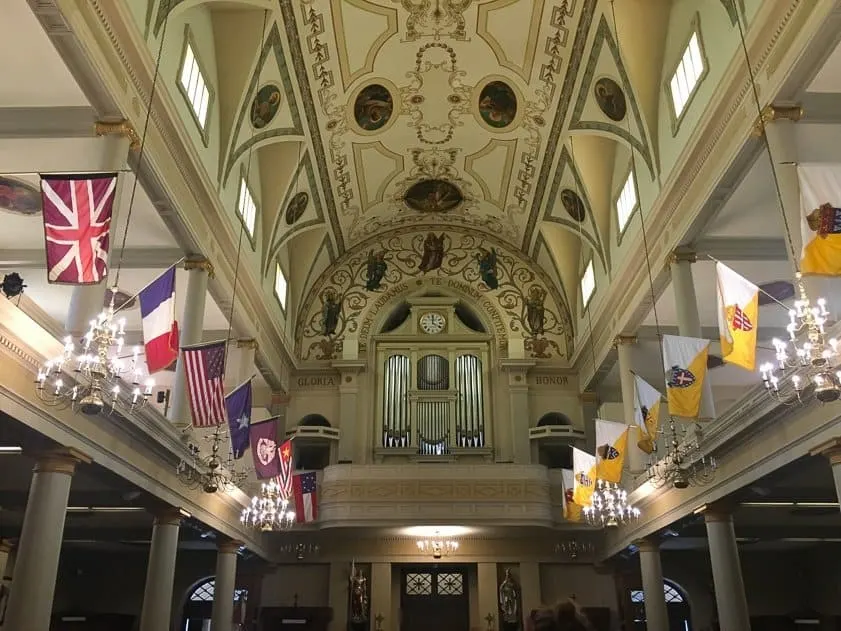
[780, 130]
[530, 586]
[87, 301]
[731, 603]
[518, 410]
[381, 598]
[637, 460]
[36, 568]
[350, 445]
[224, 586]
[191, 327]
[686, 307]
[160, 572]
[339, 581]
[487, 597]
[656, 614]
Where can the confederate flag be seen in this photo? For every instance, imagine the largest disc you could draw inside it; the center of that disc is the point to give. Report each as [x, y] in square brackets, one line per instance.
[77, 225]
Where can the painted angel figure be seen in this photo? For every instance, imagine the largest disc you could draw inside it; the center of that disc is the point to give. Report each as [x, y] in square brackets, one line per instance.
[376, 267]
[433, 252]
[330, 313]
[487, 267]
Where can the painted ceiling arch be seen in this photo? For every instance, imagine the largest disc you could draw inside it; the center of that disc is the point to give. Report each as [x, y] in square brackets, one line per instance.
[520, 298]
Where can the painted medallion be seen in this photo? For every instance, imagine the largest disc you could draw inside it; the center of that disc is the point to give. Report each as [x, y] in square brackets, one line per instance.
[573, 204]
[497, 104]
[373, 107]
[296, 207]
[433, 196]
[265, 105]
[610, 98]
[19, 197]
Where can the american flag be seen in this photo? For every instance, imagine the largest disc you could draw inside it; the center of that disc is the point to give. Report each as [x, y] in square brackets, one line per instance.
[205, 368]
[77, 226]
[741, 322]
[284, 478]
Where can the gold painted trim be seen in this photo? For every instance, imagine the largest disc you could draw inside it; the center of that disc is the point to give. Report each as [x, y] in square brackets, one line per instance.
[474, 104]
[524, 71]
[249, 343]
[773, 113]
[358, 149]
[118, 128]
[395, 112]
[681, 256]
[349, 76]
[60, 460]
[510, 147]
[621, 340]
[200, 264]
[168, 516]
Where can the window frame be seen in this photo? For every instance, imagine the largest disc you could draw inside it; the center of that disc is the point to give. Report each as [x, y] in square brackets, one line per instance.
[631, 177]
[189, 41]
[677, 117]
[589, 268]
[243, 181]
[278, 270]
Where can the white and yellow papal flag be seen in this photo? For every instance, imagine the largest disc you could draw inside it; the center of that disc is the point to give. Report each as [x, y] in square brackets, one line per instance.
[820, 218]
[738, 317]
[646, 412]
[611, 447]
[572, 511]
[685, 361]
[584, 477]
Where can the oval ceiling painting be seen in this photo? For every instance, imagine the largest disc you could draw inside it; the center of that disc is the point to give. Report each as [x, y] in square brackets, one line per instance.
[19, 197]
[296, 207]
[573, 204]
[373, 107]
[433, 196]
[610, 98]
[265, 105]
[497, 104]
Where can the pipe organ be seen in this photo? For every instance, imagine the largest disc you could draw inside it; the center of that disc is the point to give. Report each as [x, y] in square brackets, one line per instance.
[433, 401]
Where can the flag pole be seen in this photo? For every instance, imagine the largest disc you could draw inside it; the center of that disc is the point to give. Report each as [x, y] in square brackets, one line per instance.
[134, 297]
[762, 291]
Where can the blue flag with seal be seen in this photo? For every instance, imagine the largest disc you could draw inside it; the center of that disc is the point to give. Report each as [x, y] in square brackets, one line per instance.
[238, 404]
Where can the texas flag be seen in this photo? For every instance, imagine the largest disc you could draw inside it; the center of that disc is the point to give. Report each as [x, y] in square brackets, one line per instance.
[160, 330]
[306, 497]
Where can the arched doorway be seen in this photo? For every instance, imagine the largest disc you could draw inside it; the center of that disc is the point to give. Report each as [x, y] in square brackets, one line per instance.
[198, 606]
[677, 605]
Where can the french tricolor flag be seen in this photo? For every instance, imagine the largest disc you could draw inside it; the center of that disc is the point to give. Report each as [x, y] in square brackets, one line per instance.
[160, 330]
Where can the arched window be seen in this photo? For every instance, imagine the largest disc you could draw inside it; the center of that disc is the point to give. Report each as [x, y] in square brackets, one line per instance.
[199, 605]
[677, 606]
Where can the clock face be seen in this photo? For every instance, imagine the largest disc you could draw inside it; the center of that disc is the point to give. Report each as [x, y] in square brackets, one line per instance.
[432, 322]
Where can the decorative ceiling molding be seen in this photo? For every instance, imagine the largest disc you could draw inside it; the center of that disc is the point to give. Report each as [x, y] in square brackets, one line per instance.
[273, 44]
[604, 36]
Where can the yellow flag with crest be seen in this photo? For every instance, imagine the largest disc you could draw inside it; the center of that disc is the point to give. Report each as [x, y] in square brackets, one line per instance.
[685, 361]
[738, 317]
[611, 446]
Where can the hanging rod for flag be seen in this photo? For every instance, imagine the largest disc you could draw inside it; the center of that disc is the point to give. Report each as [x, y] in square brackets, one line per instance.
[65, 172]
[762, 291]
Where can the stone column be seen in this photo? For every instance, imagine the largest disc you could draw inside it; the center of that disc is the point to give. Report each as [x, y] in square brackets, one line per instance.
[191, 327]
[339, 581]
[87, 301]
[225, 583]
[731, 603]
[381, 597]
[8, 554]
[36, 568]
[832, 451]
[637, 458]
[518, 410]
[780, 130]
[488, 601]
[590, 403]
[688, 319]
[160, 572]
[656, 614]
[350, 449]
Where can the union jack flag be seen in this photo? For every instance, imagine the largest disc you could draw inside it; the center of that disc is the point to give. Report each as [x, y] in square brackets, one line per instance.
[77, 226]
[741, 322]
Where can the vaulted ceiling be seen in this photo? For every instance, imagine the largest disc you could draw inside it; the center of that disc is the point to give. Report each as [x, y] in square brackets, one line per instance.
[356, 118]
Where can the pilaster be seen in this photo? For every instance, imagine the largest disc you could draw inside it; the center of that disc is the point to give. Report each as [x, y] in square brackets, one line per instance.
[350, 443]
[518, 410]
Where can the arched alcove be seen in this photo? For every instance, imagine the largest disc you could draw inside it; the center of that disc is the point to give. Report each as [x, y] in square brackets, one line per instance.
[198, 604]
[553, 418]
[314, 420]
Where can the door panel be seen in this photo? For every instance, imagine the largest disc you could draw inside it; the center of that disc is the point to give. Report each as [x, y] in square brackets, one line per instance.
[434, 598]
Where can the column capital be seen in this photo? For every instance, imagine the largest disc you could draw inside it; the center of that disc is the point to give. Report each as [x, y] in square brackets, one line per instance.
[588, 396]
[280, 398]
[59, 460]
[682, 255]
[831, 450]
[231, 546]
[250, 343]
[622, 340]
[168, 516]
[720, 511]
[647, 544]
[118, 128]
[6, 546]
[773, 113]
[200, 264]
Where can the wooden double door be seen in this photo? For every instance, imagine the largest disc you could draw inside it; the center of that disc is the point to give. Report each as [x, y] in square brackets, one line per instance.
[434, 597]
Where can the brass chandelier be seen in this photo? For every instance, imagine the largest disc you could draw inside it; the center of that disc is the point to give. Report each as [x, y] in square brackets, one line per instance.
[209, 473]
[270, 510]
[684, 463]
[609, 506]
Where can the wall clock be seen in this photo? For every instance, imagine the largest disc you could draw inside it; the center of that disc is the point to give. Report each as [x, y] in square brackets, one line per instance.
[432, 322]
